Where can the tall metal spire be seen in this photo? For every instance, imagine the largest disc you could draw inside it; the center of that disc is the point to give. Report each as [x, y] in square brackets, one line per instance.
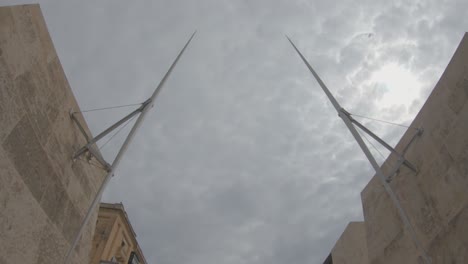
[324, 87]
[348, 120]
[142, 110]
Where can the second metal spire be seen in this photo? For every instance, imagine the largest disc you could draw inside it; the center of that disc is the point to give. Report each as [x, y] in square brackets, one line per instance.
[348, 120]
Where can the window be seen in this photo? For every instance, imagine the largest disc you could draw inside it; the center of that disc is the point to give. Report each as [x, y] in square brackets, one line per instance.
[134, 259]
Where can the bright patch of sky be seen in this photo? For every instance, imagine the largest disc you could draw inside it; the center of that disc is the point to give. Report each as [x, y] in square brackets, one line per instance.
[400, 85]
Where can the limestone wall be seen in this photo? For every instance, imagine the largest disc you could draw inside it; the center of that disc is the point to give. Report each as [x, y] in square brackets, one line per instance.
[43, 193]
[435, 198]
[351, 247]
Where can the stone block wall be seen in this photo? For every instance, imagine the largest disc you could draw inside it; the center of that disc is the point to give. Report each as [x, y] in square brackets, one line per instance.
[44, 194]
[436, 197]
[351, 247]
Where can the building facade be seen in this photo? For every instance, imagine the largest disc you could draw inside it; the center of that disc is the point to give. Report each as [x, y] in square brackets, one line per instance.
[435, 198]
[44, 193]
[114, 239]
[351, 247]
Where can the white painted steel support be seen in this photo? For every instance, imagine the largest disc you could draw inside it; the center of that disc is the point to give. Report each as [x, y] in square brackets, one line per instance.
[108, 130]
[146, 106]
[383, 143]
[91, 151]
[349, 124]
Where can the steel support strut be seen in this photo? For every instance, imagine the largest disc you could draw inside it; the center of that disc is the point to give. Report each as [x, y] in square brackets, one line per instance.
[345, 116]
[382, 142]
[110, 129]
[143, 110]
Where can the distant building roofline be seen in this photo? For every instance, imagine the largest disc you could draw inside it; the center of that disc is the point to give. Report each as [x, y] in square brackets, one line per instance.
[120, 207]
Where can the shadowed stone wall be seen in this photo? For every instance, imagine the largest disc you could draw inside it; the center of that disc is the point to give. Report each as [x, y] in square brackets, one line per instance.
[43, 193]
[435, 198]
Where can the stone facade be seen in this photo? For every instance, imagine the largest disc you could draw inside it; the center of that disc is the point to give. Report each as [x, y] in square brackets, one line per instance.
[435, 198]
[351, 247]
[114, 239]
[44, 194]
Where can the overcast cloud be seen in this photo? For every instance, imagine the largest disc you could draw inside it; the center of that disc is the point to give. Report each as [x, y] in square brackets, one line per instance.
[243, 159]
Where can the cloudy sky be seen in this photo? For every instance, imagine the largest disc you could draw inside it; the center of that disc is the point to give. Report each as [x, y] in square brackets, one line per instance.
[243, 159]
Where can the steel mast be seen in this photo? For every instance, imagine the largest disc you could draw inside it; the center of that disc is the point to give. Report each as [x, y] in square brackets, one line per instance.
[142, 110]
[348, 120]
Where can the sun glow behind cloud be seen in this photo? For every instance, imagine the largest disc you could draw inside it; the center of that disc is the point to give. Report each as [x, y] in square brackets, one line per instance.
[400, 86]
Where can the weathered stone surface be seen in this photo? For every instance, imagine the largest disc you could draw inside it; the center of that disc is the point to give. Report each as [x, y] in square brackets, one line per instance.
[435, 199]
[351, 247]
[419, 207]
[450, 246]
[29, 158]
[44, 194]
[51, 245]
[21, 217]
[72, 218]
[379, 235]
[399, 250]
[7, 173]
[457, 141]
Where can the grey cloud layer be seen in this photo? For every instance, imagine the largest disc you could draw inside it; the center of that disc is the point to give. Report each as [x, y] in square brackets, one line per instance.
[243, 160]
